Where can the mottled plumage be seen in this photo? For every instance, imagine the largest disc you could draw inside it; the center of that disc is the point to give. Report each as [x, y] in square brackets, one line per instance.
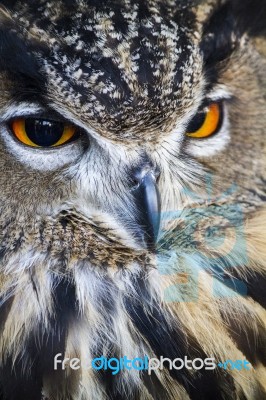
[78, 272]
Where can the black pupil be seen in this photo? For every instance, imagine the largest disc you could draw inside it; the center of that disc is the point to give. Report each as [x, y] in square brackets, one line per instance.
[197, 122]
[44, 132]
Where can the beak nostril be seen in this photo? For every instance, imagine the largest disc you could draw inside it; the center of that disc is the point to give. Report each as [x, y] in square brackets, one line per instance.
[157, 177]
[135, 183]
[139, 174]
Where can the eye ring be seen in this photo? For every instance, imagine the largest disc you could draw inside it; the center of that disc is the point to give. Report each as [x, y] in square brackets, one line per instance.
[206, 123]
[43, 133]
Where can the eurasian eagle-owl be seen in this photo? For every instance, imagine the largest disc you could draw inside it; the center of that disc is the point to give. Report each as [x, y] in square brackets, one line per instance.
[132, 175]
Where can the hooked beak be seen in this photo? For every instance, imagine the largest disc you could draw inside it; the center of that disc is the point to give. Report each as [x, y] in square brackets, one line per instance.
[148, 202]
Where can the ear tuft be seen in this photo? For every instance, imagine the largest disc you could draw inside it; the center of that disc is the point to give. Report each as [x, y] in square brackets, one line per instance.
[228, 23]
[250, 16]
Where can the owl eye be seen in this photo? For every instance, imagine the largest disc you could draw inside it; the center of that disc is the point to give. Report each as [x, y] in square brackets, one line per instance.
[207, 122]
[36, 132]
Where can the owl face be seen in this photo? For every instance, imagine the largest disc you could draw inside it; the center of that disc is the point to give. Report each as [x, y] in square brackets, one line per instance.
[131, 156]
[97, 97]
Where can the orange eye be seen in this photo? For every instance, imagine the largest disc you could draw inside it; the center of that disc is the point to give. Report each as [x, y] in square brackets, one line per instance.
[206, 123]
[43, 133]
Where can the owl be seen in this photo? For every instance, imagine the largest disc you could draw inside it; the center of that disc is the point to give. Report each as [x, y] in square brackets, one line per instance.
[133, 217]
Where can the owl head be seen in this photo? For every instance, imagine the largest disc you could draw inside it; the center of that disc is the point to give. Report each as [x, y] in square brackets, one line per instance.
[112, 112]
[132, 155]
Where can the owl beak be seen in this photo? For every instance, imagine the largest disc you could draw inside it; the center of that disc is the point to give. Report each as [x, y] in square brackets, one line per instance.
[148, 202]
